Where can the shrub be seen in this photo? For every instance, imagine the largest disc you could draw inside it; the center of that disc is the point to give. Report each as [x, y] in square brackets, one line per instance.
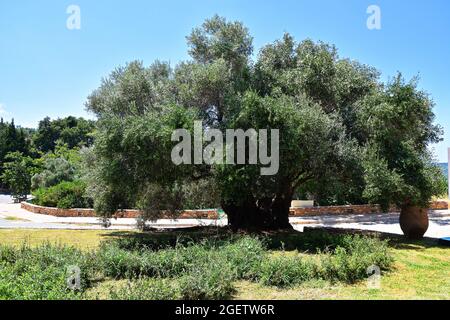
[120, 263]
[147, 289]
[202, 271]
[245, 255]
[350, 261]
[206, 269]
[56, 171]
[201, 282]
[210, 280]
[42, 272]
[285, 271]
[64, 195]
[34, 283]
[341, 258]
[347, 262]
[17, 171]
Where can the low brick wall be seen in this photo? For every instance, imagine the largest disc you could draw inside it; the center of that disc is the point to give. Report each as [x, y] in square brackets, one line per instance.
[350, 209]
[188, 214]
[213, 214]
[439, 205]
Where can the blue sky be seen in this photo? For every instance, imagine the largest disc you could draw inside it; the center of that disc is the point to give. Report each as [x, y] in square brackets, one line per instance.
[46, 69]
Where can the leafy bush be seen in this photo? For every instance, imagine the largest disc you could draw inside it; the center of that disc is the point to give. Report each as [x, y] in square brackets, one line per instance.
[245, 255]
[348, 262]
[200, 283]
[209, 280]
[41, 273]
[285, 271]
[202, 269]
[64, 195]
[34, 283]
[147, 289]
[120, 263]
[56, 171]
[17, 172]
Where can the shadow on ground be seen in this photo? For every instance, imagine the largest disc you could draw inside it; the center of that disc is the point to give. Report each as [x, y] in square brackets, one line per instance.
[311, 240]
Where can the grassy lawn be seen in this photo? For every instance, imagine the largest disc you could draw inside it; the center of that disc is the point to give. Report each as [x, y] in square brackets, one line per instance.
[421, 270]
[82, 239]
[14, 219]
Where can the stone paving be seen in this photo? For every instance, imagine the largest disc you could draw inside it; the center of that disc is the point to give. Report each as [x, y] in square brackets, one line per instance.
[12, 216]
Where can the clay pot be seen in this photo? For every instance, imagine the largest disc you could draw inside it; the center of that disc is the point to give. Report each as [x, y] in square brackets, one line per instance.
[414, 222]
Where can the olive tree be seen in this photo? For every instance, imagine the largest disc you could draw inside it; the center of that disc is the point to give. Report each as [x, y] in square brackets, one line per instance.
[399, 126]
[320, 103]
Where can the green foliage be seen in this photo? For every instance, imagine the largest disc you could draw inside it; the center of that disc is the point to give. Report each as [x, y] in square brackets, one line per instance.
[301, 123]
[347, 262]
[56, 170]
[208, 282]
[147, 289]
[75, 132]
[12, 139]
[17, 172]
[119, 262]
[34, 283]
[340, 258]
[195, 269]
[202, 194]
[41, 273]
[345, 137]
[65, 195]
[143, 179]
[132, 90]
[398, 123]
[202, 271]
[286, 271]
[62, 164]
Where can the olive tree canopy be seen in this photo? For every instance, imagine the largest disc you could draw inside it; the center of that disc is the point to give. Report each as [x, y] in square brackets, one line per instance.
[335, 120]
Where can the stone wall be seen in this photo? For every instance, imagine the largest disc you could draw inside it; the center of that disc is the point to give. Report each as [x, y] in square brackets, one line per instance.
[213, 214]
[350, 209]
[188, 214]
[439, 205]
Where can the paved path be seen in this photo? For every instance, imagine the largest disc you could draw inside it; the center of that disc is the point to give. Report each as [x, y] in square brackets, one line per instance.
[12, 216]
[439, 222]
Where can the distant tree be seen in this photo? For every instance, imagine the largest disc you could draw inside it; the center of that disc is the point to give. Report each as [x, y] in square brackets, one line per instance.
[56, 170]
[17, 172]
[61, 165]
[12, 139]
[75, 132]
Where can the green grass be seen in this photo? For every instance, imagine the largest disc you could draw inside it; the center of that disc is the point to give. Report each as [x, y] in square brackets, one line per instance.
[421, 269]
[11, 218]
[82, 239]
